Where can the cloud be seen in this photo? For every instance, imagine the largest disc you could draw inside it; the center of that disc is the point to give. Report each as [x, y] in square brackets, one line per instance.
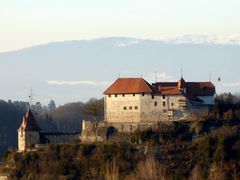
[233, 84]
[203, 39]
[161, 77]
[127, 44]
[72, 83]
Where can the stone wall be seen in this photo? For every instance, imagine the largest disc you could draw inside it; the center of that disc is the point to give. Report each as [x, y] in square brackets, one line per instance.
[136, 108]
[123, 108]
[155, 108]
[141, 107]
[100, 131]
[27, 139]
[61, 137]
[21, 140]
[198, 110]
[3, 177]
[93, 132]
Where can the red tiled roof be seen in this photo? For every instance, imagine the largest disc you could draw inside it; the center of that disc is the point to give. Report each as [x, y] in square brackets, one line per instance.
[167, 88]
[29, 123]
[129, 85]
[192, 88]
[139, 85]
[200, 88]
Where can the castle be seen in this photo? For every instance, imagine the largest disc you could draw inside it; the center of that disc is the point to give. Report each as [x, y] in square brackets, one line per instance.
[130, 104]
[135, 100]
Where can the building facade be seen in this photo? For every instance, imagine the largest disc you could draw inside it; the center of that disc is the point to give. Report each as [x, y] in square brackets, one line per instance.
[134, 100]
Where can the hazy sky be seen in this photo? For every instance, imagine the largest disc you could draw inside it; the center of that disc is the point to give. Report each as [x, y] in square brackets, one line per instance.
[25, 23]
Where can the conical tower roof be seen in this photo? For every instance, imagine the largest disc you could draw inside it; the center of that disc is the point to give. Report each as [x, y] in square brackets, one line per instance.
[29, 123]
[181, 83]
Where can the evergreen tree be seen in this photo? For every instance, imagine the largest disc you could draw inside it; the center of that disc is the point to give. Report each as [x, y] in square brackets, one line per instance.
[51, 105]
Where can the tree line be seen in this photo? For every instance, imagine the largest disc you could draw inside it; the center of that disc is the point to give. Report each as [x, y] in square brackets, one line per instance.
[68, 117]
[65, 118]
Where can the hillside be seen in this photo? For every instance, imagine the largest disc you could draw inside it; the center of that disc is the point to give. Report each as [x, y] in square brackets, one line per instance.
[200, 148]
[171, 152]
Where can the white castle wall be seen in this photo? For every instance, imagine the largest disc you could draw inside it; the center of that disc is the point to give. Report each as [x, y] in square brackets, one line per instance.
[115, 108]
[27, 139]
[139, 107]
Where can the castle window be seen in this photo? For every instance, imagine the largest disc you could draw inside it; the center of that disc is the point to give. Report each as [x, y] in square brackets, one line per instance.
[109, 95]
[115, 95]
[124, 108]
[183, 108]
[152, 96]
[172, 104]
[143, 94]
[133, 94]
[123, 95]
[131, 128]
[163, 96]
[155, 103]
[136, 107]
[164, 103]
[170, 113]
[130, 107]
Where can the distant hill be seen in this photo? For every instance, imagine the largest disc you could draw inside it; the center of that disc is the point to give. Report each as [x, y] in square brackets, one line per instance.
[77, 70]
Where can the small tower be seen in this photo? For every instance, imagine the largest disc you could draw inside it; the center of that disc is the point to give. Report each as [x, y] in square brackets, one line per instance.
[182, 85]
[28, 132]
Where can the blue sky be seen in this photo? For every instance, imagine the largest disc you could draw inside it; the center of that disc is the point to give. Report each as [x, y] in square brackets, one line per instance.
[30, 22]
[25, 23]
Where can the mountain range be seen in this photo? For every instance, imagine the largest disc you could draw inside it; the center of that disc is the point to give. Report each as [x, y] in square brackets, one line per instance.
[78, 70]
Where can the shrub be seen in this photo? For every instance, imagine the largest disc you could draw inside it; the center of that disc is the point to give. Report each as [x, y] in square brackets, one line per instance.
[150, 169]
[216, 173]
[197, 173]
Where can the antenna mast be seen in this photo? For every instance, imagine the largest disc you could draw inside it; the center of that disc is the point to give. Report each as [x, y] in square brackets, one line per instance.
[181, 71]
[156, 76]
[30, 98]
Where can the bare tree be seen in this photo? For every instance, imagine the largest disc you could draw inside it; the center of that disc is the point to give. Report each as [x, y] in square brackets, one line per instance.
[197, 173]
[149, 169]
[216, 173]
[93, 108]
[112, 170]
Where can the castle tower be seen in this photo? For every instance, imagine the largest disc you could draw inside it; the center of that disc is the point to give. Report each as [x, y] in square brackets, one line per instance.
[28, 132]
[182, 85]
